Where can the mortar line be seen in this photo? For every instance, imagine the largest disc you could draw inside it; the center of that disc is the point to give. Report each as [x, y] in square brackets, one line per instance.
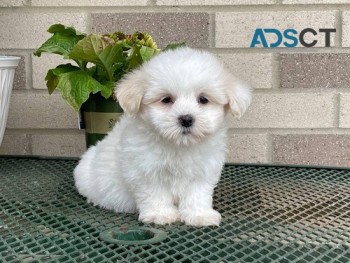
[45, 131]
[89, 22]
[281, 50]
[233, 131]
[300, 131]
[29, 72]
[212, 26]
[332, 50]
[269, 148]
[343, 50]
[276, 71]
[190, 8]
[29, 138]
[337, 110]
[338, 26]
[280, 91]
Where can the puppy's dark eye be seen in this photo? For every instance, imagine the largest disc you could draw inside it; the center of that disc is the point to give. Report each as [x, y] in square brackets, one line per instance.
[167, 100]
[203, 100]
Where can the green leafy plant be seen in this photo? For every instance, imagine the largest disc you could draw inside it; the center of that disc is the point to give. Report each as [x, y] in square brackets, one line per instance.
[99, 61]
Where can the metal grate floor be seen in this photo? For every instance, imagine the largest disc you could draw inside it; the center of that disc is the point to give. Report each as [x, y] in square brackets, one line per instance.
[270, 214]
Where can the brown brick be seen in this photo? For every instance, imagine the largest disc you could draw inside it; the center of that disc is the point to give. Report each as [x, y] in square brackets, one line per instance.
[19, 81]
[193, 28]
[310, 70]
[317, 149]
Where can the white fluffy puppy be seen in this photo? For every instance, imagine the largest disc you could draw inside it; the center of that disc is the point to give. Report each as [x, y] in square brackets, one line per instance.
[165, 156]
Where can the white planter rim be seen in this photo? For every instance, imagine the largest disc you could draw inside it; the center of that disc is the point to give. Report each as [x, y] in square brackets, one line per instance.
[9, 61]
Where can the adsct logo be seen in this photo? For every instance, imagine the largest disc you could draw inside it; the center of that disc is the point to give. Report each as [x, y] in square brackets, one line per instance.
[290, 37]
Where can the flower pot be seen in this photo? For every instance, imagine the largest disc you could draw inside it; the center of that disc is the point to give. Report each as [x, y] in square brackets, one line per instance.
[8, 65]
[99, 117]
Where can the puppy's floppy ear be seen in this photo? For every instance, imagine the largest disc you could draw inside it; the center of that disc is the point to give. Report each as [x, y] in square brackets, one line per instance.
[130, 90]
[239, 95]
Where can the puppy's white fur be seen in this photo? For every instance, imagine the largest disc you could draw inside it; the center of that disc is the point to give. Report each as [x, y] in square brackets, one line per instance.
[149, 162]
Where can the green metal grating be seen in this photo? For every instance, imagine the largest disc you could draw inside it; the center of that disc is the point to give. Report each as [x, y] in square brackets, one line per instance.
[270, 214]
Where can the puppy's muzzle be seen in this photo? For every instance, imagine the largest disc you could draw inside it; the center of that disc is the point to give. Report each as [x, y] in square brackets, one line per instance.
[186, 120]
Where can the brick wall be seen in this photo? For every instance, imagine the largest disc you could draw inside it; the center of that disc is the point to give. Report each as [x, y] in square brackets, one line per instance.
[300, 112]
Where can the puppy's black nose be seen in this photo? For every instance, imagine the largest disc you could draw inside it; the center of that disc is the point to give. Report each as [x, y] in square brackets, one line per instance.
[186, 120]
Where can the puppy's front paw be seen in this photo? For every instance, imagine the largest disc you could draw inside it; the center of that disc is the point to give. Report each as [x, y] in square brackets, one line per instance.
[164, 217]
[202, 218]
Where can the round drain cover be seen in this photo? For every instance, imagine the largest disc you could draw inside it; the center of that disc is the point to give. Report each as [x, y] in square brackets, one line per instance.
[133, 235]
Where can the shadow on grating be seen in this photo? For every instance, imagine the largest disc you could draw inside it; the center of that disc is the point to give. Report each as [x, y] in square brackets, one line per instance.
[270, 214]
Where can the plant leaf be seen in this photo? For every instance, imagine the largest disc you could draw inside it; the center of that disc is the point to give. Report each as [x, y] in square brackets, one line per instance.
[76, 87]
[51, 81]
[118, 70]
[138, 55]
[52, 76]
[62, 41]
[174, 46]
[100, 50]
[59, 28]
[147, 53]
[135, 59]
[108, 88]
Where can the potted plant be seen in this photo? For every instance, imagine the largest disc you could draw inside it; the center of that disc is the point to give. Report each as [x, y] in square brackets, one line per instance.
[8, 65]
[99, 62]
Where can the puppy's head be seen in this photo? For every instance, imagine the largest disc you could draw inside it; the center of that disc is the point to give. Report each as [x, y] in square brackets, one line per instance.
[184, 94]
